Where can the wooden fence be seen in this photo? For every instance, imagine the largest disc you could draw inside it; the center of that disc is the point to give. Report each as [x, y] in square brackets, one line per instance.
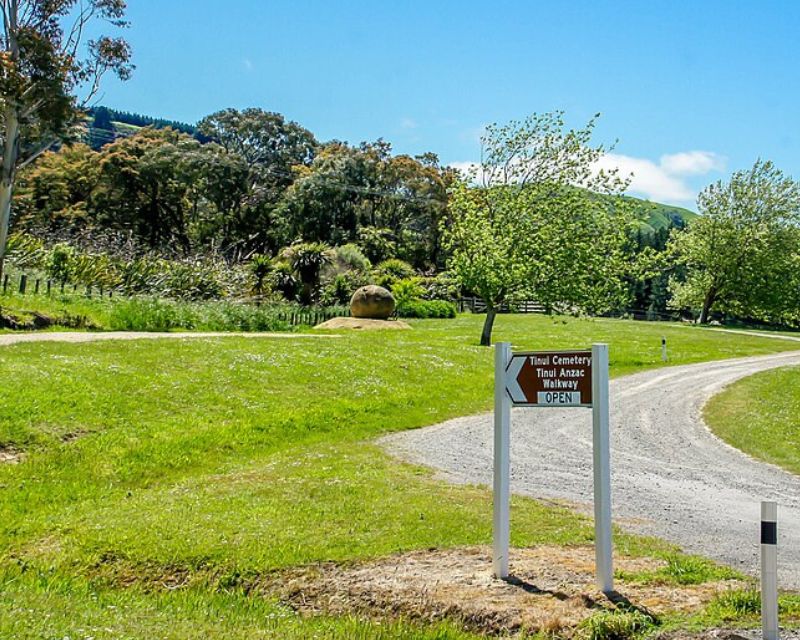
[476, 305]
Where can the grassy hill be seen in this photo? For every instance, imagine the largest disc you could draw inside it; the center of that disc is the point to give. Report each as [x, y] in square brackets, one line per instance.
[655, 215]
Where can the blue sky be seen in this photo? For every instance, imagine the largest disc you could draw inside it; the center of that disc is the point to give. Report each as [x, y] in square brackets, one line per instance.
[691, 90]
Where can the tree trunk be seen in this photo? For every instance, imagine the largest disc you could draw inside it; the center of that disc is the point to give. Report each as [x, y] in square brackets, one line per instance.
[711, 297]
[7, 176]
[486, 334]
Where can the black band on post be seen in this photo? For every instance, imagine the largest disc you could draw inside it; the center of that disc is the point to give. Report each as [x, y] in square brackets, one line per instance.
[769, 532]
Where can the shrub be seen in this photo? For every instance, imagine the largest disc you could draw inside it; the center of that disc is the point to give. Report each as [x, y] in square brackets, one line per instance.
[427, 309]
[260, 267]
[25, 251]
[196, 280]
[615, 625]
[340, 289]
[390, 271]
[407, 291]
[58, 264]
[349, 257]
[377, 243]
[731, 605]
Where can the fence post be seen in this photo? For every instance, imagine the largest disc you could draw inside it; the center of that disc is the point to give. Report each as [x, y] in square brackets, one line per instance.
[49, 286]
[5, 283]
[38, 285]
[23, 283]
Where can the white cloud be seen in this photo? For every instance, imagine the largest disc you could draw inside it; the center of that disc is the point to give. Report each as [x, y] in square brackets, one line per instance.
[667, 180]
[248, 64]
[408, 123]
[692, 163]
[468, 170]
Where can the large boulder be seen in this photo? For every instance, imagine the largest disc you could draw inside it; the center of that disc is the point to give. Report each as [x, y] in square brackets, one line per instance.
[373, 302]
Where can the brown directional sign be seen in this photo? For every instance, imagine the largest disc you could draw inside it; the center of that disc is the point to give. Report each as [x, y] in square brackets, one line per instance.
[550, 379]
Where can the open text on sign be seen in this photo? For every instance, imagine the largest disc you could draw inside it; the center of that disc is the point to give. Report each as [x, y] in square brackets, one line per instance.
[550, 379]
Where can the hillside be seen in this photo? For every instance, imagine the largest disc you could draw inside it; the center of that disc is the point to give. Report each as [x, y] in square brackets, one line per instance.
[657, 216]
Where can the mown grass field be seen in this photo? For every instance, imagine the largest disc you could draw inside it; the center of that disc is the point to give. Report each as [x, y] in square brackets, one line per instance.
[760, 415]
[209, 463]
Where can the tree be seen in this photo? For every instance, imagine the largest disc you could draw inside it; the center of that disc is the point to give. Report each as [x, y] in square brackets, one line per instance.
[544, 224]
[741, 254]
[102, 119]
[349, 192]
[273, 149]
[307, 260]
[44, 64]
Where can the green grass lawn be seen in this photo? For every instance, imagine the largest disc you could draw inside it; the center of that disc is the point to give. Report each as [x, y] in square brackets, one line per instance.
[220, 460]
[760, 415]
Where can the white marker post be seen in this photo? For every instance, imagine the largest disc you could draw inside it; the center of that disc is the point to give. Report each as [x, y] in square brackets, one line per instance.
[769, 570]
[602, 469]
[502, 466]
[663, 349]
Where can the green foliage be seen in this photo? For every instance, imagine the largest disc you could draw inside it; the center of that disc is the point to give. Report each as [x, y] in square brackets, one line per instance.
[615, 625]
[377, 243]
[529, 232]
[426, 309]
[407, 290]
[153, 314]
[390, 271]
[307, 260]
[683, 570]
[735, 604]
[283, 280]
[741, 255]
[46, 62]
[260, 268]
[441, 287]
[350, 258]
[340, 289]
[59, 263]
[25, 251]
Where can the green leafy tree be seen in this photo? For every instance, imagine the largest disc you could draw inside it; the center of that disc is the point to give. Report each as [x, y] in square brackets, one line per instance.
[43, 75]
[389, 205]
[741, 254]
[543, 224]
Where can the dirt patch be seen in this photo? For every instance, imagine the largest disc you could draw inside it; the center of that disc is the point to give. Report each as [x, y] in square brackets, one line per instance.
[365, 324]
[10, 456]
[551, 589]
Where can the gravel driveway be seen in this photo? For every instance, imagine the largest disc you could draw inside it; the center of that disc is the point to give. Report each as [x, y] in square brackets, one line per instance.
[670, 476]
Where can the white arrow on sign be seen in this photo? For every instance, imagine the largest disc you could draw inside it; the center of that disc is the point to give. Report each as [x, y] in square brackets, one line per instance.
[514, 390]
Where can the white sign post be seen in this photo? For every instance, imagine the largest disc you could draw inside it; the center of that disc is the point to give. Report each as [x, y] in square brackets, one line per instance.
[553, 379]
[502, 464]
[602, 469]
